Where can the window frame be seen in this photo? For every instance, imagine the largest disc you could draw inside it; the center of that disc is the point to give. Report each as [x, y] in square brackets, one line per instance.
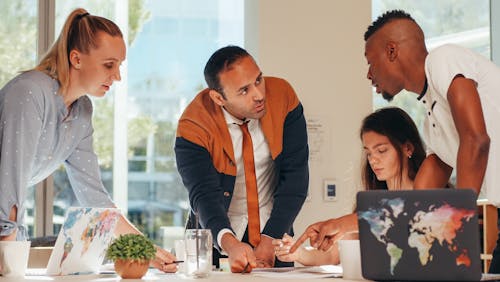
[44, 191]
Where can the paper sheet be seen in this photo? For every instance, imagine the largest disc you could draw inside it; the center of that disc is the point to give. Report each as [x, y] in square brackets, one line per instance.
[303, 272]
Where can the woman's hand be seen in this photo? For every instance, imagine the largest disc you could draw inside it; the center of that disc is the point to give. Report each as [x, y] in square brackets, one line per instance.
[282, 249]
[164, 261]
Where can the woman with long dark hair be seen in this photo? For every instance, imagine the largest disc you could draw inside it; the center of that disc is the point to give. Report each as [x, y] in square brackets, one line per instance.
[394, 152]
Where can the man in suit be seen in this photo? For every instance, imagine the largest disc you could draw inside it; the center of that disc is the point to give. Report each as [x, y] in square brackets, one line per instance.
[242, 153]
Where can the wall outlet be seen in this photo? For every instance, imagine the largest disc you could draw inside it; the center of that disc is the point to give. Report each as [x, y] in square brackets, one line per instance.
[329, 190]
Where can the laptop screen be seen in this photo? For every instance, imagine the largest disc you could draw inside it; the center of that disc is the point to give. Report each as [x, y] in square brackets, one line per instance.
[419, 235]
[83, 240]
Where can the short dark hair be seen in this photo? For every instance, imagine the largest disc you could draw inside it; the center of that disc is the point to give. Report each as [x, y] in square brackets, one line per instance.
[386, 18]
[399, 128]
[220, 61]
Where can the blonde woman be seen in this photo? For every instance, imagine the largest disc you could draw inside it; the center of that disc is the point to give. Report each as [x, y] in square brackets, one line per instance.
[45, 121]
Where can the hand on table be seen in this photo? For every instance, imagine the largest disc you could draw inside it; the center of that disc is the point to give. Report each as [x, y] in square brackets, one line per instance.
[264, 252]
[241, 255]
[282, 249]
[164, 261]
[324, 234]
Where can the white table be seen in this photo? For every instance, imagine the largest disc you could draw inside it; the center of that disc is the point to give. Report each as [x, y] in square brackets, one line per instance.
[214, 277]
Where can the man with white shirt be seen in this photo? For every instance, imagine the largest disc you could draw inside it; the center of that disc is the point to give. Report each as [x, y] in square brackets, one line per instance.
[460, 91]
[242, 153]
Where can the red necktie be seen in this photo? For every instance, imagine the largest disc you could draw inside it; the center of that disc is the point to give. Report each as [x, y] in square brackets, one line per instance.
[251, 186]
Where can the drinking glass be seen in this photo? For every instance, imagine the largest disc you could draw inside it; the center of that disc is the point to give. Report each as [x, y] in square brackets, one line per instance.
[198, 261]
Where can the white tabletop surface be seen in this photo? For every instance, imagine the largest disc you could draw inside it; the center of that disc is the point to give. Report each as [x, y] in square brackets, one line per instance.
[154, 276]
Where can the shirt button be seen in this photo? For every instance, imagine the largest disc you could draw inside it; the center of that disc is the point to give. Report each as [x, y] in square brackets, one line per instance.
[424, 101]
[429, 113]
[227, 194]
[433, 125]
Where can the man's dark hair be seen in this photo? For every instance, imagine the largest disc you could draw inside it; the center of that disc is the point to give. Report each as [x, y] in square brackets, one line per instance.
[384, 19]
[220, 61]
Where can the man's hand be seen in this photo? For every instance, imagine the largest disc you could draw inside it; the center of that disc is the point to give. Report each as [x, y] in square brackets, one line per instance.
[241, 256]
[264, 252]
[163, 261]
[322, 235]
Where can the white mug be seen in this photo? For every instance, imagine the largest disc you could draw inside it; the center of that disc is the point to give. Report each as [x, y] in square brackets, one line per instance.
[350, 259]
[14, 258]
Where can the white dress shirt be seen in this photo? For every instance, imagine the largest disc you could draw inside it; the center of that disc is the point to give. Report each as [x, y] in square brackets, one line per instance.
[264, 171]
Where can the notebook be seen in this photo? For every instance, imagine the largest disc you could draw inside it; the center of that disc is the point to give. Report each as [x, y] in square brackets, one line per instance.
[82, 242]
[419, 235]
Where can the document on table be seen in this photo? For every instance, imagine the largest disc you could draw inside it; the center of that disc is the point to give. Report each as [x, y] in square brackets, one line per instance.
[302, 272]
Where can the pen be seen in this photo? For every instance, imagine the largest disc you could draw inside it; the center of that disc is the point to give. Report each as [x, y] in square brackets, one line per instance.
[246, 267]
[175, 261]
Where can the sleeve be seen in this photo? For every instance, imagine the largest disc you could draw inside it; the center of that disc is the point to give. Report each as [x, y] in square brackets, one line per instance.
[84, 175]
[21, 111]
[445, 63]
[293, 179]
[203, 184]
[428, 148]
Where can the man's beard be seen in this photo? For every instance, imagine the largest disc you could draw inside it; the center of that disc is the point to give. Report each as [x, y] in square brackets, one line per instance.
[388, 97]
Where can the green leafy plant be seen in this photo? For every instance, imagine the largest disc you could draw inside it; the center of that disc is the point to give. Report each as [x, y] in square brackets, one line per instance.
[131, 247]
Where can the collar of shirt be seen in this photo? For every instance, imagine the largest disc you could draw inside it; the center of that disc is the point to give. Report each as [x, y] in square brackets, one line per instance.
[66, 114]
[230, 119]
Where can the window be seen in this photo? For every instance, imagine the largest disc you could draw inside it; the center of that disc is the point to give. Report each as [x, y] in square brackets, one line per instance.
[169, 43]
[463, 22]
[18, 51]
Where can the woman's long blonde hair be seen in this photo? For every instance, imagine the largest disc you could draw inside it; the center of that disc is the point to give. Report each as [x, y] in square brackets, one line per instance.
[79, 32]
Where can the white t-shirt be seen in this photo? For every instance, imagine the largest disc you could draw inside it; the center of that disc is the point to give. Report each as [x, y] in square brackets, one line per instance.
[441, 66]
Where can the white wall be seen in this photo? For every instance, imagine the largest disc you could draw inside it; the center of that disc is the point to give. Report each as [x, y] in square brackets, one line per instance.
[318, 47]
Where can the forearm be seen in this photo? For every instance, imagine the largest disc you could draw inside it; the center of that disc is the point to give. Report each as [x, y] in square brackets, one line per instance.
[466, 109]
[228, 241]
[472, 160]
[285, 210]
[348, 224]
[309, 256]
[82, 168]
[293, 184]
[203, 182]
[124, 226]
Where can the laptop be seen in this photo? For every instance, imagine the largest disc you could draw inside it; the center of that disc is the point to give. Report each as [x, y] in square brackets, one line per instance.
[419, 235]
[82, 242]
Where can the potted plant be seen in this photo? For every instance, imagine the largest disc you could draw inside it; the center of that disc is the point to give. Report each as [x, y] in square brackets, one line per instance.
[131, 254]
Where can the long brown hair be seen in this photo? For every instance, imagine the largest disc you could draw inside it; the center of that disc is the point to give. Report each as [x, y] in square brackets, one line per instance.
[79, 32]
[399, 128]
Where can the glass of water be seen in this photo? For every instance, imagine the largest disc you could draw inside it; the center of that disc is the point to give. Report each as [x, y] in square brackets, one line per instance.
[198, 260]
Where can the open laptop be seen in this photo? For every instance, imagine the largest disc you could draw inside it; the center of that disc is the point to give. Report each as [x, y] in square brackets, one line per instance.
[419, 235]
[82, 242]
